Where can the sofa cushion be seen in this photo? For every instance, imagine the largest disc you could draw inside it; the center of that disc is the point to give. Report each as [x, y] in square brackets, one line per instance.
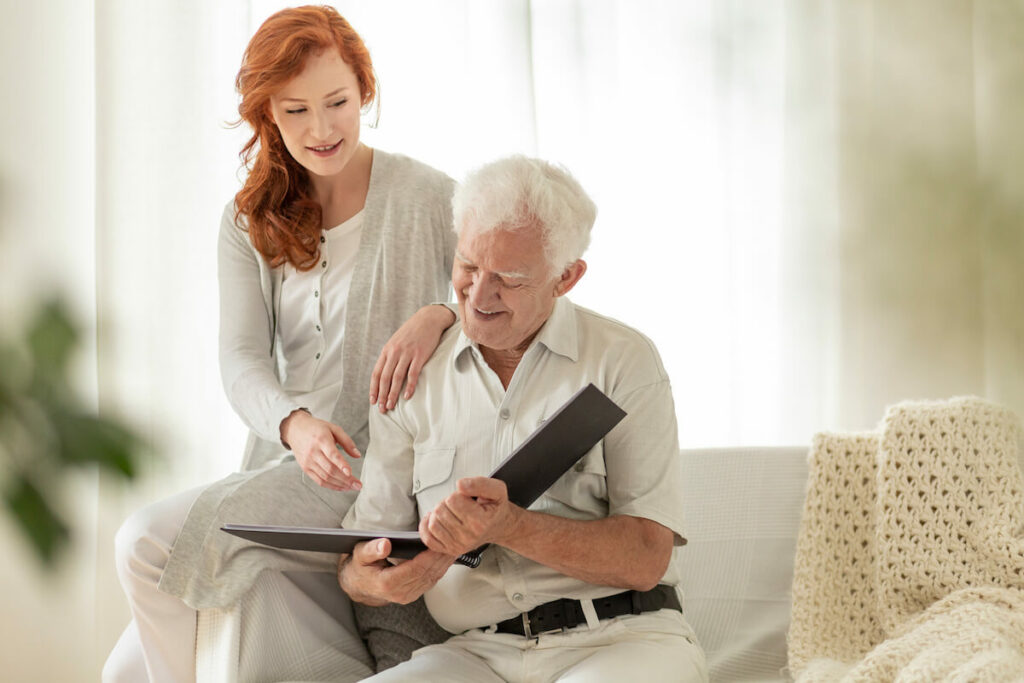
[743, 508]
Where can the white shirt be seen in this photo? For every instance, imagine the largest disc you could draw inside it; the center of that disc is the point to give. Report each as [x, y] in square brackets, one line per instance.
[461, 422]
[312, 320]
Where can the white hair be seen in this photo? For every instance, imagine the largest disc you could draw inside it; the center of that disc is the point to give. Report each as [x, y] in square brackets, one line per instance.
[518, 192]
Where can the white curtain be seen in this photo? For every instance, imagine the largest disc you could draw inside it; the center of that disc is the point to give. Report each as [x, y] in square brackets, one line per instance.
[811, 207]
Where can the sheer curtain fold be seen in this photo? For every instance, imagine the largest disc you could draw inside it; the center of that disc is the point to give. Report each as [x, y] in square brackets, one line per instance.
[918, 242]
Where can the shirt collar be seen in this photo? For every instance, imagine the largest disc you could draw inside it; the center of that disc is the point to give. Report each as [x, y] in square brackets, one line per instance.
[559, 333]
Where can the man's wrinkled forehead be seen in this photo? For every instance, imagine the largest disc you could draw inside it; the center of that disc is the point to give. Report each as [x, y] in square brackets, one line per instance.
[508, 274]
[479, 248]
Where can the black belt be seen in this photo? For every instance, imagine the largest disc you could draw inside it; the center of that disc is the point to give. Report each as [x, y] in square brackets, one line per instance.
[559, 615]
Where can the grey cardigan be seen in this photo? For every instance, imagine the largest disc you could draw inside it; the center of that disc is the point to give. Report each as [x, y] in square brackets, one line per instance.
[404, 261]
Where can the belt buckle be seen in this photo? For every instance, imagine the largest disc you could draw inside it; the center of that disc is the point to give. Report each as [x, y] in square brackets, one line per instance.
[528, 632]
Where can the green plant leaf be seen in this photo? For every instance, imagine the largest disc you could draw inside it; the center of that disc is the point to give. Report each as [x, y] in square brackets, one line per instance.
[51, 338]
[44, 528]
[85, 439]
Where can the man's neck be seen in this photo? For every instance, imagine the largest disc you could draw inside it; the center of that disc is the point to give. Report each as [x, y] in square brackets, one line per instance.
[504, 363]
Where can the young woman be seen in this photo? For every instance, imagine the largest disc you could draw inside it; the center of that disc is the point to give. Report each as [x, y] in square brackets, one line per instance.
[324, 253]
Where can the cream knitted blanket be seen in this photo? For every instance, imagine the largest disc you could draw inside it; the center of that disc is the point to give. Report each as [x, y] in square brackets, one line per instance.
[910, 559]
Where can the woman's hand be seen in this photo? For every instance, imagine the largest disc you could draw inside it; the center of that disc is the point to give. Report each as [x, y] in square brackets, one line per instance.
[406, 352]
[315, 444]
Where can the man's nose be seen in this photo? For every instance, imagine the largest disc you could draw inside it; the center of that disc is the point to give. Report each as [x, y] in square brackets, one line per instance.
[481, 291]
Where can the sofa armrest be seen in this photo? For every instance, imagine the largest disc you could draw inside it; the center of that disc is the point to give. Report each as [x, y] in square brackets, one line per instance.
[743, 509]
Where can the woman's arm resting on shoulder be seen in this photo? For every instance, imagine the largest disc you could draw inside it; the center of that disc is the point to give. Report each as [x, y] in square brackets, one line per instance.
[315, 445]
[404, 355]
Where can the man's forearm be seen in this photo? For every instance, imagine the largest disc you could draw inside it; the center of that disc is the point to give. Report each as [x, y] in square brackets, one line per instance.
[620, 551]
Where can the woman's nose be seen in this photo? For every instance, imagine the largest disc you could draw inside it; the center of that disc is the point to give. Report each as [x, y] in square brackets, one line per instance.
[321, 126]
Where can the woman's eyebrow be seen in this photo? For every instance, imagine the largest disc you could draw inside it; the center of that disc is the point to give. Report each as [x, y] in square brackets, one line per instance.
[328, 95]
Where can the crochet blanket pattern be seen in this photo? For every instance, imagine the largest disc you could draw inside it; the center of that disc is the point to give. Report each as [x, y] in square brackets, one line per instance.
[910, 558]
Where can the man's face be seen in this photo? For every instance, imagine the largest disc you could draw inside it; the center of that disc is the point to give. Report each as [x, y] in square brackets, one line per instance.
[504, 286]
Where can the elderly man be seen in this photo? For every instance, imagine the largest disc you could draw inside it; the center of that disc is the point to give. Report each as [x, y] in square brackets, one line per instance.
[596, 552]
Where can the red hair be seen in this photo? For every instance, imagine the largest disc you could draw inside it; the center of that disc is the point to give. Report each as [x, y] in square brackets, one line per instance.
[277, 197]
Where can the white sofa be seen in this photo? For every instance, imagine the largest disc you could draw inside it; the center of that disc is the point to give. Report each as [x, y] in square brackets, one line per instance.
[743, 513]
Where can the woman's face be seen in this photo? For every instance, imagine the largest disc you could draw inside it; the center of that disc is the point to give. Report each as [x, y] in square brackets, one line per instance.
[317, 113]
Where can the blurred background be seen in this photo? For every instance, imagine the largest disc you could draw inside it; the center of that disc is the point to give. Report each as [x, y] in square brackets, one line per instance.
[814, 209]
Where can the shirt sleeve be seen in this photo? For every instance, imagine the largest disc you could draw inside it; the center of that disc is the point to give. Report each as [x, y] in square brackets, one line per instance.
[642, 459]
[246, 335]
[386, 500]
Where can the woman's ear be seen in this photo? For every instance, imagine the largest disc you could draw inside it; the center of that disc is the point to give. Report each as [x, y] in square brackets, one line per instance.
[570, 276]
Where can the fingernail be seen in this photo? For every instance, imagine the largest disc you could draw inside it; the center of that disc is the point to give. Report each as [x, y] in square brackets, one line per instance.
[391, 404]
[380, 546]
[357, 486]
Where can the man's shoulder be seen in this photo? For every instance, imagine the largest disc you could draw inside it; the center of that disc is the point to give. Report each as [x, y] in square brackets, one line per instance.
[441, 361]
[615, 342]
[434, 380]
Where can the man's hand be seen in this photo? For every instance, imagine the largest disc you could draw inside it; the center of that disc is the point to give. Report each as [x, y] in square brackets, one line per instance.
[315, 445]
[478, 512]
[369, 578]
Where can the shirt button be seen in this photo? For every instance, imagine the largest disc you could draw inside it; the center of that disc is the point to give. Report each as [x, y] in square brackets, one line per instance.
[324, 264]
[322, 240]
[317, 328]
[579, 466]
[504, 414]
[416, 484]
[316, 292]
[318, 356]
[518, 597]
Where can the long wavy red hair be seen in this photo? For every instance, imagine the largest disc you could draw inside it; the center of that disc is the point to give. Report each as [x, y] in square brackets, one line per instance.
[276, 198]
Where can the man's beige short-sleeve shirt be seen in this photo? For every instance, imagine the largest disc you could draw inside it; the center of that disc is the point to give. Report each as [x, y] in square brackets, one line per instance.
[462, 423]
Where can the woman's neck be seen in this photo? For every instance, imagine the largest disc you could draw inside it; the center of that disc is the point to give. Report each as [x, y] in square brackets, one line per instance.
[344, 195]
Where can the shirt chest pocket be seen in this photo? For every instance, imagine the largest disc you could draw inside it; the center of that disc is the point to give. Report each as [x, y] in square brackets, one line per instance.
[585, 486]
[433, 476]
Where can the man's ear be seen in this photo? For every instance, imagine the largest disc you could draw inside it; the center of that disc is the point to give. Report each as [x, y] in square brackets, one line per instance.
[570, 276]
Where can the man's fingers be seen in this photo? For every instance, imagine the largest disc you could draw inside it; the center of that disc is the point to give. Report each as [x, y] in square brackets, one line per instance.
[371, 552]
[435, 536]
[445, 531]
[482, 487]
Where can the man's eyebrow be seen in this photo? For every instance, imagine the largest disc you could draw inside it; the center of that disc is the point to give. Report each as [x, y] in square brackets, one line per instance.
[510, 275]
[327, 96]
